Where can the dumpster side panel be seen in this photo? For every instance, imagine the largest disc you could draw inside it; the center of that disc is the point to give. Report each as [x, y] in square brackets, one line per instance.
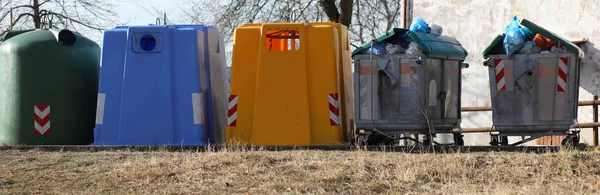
[219, 87]
[242, 96]
[520, 84]
[503, 96]
[412, 91]
[433, 89]
[189, 91]
[322, 62]
[109, 90]
[282, 102]
[9, 109]
[368, 98]
[345, 73]
[451, 79]
[551, 100]
[540, 98]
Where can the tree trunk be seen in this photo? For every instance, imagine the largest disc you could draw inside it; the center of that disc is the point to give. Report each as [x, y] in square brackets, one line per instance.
[346, 12]
[330, 10]
[343, 15]
[37, 19]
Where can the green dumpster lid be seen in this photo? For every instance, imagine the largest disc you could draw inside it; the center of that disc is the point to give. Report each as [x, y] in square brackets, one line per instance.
[432, 45]
[496, 45]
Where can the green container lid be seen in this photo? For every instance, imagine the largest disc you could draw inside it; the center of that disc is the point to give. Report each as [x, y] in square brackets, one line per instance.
[434, 46]
[496, 46]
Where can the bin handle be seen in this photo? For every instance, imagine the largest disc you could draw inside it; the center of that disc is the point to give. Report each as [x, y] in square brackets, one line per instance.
[464, 65]
[487, 62]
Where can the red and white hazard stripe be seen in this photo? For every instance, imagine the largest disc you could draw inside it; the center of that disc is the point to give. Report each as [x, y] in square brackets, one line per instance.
[561, 84]
[232, 113]
[500, 80]
[334, 109]
[41, 119]
[405, 76]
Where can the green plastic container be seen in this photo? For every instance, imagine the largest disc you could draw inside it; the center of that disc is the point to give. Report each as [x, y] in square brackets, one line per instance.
[48, 88]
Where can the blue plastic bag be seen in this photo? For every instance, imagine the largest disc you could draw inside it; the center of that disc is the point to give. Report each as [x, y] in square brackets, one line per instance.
[515, 36]
[377, 49]
[419, 25]
[528, 33]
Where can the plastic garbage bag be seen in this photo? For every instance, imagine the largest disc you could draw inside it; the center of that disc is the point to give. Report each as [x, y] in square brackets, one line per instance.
[403, 40]
[396, 49]
[377, 49]
[528, 33]
[413, 48]
[515, 36]
[436, 29]
[419, 25]
[543, 42]
[529, 48]
[557, 49]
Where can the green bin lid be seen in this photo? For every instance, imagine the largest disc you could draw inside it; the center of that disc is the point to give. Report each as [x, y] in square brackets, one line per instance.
[496, 45]
[432, 45]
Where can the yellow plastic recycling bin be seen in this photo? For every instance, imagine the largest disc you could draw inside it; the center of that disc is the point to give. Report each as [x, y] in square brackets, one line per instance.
[291, 85]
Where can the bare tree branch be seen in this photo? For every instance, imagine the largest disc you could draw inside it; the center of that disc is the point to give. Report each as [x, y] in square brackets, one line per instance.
[71, 14]
[365, 19]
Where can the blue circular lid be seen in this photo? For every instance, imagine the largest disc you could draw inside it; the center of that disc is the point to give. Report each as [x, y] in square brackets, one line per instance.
[148, 43]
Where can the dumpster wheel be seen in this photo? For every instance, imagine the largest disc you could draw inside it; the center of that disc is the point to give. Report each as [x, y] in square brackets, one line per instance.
[379, 139]
[504, 140]
[570, 140]
[458, 139]
[495, 140]
[361, 139]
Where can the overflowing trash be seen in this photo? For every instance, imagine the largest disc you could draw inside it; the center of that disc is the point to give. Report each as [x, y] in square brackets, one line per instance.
[521, 40]
[528, 48]
[419, 25]
[402, 44]
[413, 48]
[543, 42]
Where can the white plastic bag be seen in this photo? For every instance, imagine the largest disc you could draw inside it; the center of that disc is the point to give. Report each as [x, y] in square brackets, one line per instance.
[528, 48]
[413, 48]
[396, 49]
[436, 29]
[555, 49]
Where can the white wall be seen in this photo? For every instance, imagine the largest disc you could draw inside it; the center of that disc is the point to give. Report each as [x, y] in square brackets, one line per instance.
[475, 22]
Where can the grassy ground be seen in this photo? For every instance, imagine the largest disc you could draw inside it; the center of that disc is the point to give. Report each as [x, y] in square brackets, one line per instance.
[297, 172]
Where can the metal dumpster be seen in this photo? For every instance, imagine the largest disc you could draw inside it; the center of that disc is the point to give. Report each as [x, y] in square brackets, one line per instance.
[533, 94]
[408, 93]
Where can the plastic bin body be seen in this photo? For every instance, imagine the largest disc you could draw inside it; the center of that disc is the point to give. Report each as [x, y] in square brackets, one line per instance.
[293, 88]
[431, 89]
[173, 93]
[49, 89]
[534, 93]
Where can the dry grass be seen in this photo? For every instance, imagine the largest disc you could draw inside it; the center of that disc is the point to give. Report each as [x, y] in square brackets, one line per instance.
[297, 172]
